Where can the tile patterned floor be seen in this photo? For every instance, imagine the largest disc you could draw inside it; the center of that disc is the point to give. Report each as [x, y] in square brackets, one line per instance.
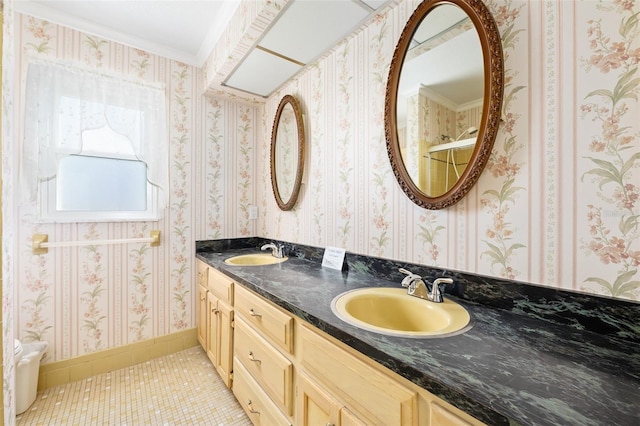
[178, 389]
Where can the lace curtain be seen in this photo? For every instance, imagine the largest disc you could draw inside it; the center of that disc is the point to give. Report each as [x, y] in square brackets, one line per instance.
[63, 102]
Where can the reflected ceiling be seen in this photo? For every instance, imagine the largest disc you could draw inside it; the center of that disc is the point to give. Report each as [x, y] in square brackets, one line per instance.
[461, 83]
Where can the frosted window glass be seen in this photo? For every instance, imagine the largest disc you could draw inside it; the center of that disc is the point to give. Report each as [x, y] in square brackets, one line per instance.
[96, 184]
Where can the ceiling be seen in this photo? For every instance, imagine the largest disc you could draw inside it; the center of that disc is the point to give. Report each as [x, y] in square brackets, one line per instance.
[183, 30]
[188, 30]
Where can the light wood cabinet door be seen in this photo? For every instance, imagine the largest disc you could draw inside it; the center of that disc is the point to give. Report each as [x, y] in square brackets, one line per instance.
[314, 406]
[220, 336]
[224, 332]
[202, 274]
[202, 315]
[372, 394]
[347, 418]
[212, 327]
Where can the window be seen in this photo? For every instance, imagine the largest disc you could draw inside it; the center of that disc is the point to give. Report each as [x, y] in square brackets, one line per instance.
[95, 146]
[96, 184]
[104, 182]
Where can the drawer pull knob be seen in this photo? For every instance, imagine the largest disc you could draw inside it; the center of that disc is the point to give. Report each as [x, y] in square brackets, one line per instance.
[215, 311]
[251, 410]
[254, 313]
[253, 359]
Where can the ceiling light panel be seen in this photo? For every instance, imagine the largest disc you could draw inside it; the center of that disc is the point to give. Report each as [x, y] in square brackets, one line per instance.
[374, 4]
[261, 73]
[310, 27]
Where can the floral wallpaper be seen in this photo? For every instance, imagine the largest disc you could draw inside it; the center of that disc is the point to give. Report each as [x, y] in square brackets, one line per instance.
[92, 278]
[344, 122]
[215, 143]
[611, 167]
[181, 135]
[85, 299]
[557, 203]
[498, 202]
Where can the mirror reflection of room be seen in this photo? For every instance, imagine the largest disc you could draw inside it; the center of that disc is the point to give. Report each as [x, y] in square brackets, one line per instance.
[440, 100]
[286, 153]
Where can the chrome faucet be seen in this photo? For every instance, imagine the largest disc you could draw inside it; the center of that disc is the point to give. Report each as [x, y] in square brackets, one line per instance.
[276, 251]
[416, 286]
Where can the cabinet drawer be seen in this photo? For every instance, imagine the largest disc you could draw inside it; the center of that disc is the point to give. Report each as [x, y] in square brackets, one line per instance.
[201, 273]
[260, 409]
[446, 417]
[269, 367]
[373, 394]
[265, 317]
[221, 286]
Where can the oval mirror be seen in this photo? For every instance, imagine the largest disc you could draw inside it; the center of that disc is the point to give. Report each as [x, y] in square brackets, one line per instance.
[287, 152]
[443, 100]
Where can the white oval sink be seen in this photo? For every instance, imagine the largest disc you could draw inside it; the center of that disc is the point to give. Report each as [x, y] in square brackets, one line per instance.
[255, 259]
[393, 312]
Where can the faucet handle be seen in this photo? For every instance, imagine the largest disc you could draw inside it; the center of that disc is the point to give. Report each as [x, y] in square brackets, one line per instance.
[438, 281]
[410, 277]
[436, 293]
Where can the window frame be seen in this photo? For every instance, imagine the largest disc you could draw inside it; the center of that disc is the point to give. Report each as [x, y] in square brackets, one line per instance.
[48, 190]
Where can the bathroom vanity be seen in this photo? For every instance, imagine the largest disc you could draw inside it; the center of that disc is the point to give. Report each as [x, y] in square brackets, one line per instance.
[332, 384]
[533, 355]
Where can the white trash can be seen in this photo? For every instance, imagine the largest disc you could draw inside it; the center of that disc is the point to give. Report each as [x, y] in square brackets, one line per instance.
[28, 358]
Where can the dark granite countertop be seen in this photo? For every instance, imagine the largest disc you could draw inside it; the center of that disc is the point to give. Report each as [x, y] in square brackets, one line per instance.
[533, 363]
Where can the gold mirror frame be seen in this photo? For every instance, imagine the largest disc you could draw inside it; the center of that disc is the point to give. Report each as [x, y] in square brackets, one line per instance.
[491, 111]
[293, 102]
